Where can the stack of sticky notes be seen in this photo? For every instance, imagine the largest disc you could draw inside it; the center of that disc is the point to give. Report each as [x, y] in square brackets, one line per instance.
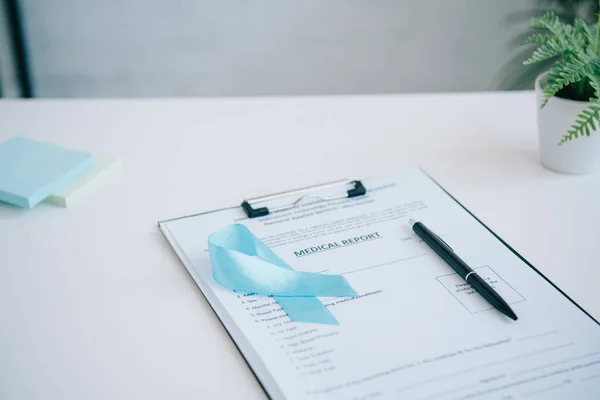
[104, 168]
[32, 171]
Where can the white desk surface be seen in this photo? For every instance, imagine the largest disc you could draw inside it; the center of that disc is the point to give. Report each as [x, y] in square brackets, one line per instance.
[94, 303]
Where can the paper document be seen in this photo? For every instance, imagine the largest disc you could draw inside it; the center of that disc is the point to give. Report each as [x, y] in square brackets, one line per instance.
[416, 330]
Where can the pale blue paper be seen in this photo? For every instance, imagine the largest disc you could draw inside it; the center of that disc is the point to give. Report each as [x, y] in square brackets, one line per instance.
[240, 261]
[31, 170]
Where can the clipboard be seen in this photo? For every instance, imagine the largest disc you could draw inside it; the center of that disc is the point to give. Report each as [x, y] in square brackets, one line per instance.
[261, 206]
[356, 189]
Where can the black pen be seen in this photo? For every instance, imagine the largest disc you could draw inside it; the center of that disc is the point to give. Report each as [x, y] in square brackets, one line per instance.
[471, 277]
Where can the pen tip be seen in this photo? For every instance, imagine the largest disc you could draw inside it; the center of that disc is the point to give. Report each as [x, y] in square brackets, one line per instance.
[510, 314]
[411, 222]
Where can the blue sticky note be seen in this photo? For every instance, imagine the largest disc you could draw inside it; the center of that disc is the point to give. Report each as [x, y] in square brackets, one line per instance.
[31, 170]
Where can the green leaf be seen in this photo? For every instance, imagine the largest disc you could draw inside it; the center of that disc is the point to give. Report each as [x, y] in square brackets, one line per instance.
[537, 38]
[591, 32]
[580, 37]
[551, 48]
[550, 21]
[563, 74]
[595, 83]
[583, 123]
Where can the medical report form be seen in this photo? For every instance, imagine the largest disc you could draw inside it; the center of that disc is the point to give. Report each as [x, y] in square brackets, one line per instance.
[416, 330]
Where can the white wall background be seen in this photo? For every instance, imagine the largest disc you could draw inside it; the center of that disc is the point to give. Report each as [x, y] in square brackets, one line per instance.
[265, 47]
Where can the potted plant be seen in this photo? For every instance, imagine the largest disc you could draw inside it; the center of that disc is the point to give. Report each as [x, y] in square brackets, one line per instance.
[512, 75]
[568, 94]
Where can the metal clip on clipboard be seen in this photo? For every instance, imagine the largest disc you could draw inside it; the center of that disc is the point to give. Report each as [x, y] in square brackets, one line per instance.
[248, 205]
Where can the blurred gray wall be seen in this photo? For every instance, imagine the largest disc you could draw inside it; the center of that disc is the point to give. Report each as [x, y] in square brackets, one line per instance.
[89, 48]
[8, 75]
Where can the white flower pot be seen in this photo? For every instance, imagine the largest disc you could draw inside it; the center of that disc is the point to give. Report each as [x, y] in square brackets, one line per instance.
[579, 156]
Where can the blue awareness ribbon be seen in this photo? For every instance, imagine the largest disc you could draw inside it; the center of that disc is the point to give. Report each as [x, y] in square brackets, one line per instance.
[241, 262]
